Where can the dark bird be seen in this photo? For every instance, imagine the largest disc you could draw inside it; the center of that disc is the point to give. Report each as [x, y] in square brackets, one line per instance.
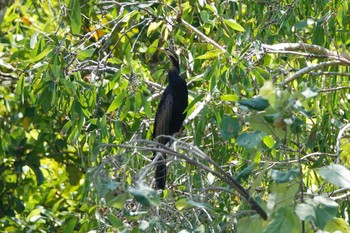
[170, 113]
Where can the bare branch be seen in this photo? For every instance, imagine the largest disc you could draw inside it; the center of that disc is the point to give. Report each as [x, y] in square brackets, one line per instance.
[309, 49]
[307, 69]
[204, 37]
[334, 89]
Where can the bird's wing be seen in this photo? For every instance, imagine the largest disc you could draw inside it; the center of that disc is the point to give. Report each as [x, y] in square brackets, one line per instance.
[163, 117]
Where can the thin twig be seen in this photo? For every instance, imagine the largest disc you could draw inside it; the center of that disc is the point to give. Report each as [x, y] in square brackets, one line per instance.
[334, 89]
[204, 37]
[339, 137]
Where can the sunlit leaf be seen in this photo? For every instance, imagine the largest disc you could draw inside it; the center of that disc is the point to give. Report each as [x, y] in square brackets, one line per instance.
[304, 23]
[336, 174]
[229, 97]
[117, 102]
[34, 40]
[320, 210]
[337, 224]
[144, 225]
[306, 212]
[116, 222]
[200, 229]
[153, 26]
[119, 201]
[267, 89]
[75, 16]
[181, 204]
[85, 54]
[145, 195]
[69, 228]
[210, 54]
[308, 93]
[42, 54]
[234, 25]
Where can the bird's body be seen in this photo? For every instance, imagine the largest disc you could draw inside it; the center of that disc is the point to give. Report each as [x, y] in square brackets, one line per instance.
[170, 114]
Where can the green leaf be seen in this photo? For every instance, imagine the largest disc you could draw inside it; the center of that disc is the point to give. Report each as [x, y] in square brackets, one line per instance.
[244, 174]
[116, 103]
[75, 16]
[305, 212]
[193, 102]
[34, 40]
[320, 210]
[34, 163]
[210, 54]
[282, 177]
[116, 222]
[145, 195]
[304, 23]
[308, 93]
[200, 229]
[85, 54]
[337, 225]
[318, 37]
[282, 195]
[250, 140]
[144, 225]
[181, 204]
[69, 228]
[74, 174]
[153, 26]
[146, 4]
[283, 220]
[257, 103]
[234, 25]
[232, 97]
[229, 127]
[42, 54]
[146, 107]
[119, 201]
[200, 205]
[336, 174]
[251, 224]
[269, 141]
[325, 211]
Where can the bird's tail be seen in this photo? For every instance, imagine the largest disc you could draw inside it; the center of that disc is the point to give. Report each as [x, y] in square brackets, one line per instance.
[161, 172]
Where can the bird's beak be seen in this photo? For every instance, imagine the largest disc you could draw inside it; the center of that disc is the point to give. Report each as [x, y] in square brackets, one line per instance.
[169, 52]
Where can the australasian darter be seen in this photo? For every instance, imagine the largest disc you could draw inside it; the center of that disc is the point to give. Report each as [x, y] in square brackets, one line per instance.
[170, 113]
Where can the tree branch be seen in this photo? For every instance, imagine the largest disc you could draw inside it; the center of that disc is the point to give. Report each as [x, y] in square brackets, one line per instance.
[221, 174]
[309, 49]
[204, 37]
[307, 69]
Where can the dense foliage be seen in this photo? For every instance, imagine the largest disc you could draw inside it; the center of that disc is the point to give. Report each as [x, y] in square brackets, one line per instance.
[268, 105]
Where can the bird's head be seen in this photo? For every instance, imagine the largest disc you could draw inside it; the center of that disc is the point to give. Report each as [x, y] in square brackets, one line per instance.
[173, 57]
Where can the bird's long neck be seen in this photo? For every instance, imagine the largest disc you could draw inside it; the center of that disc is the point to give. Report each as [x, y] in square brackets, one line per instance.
[176, 64]
[175, 81]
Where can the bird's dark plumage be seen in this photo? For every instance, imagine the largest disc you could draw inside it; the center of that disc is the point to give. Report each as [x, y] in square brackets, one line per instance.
[170, 113]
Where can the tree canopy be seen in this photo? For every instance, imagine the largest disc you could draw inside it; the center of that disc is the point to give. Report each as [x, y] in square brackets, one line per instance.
[268, 112]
